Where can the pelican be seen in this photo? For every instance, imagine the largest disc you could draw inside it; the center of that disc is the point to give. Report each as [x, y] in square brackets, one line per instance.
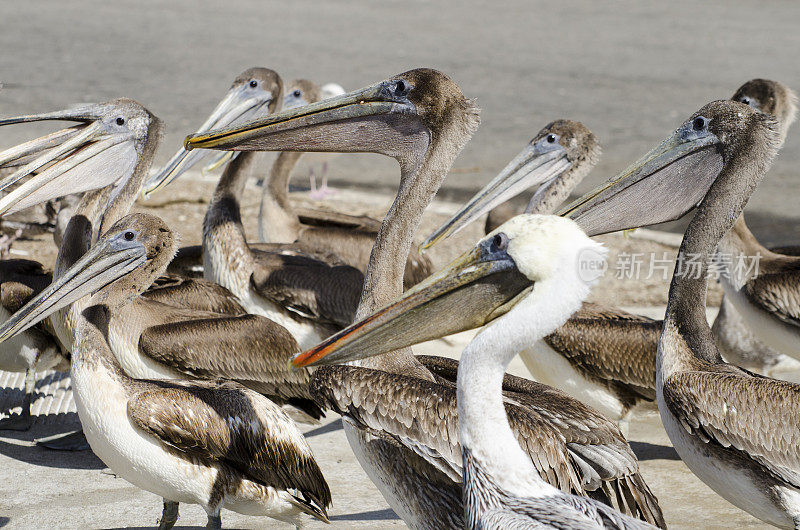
[602, 356]
[216, 444]
[107, 158]
[73, 159]
[502, 488]
[735, 430]
[752, 308]
[336, 239]
[308, 297]
[183, 329]
[399, 416]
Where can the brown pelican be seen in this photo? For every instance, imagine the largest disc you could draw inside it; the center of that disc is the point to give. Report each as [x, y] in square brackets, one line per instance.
[735, 430]
[602, 356]
[309, 297]
[216, 444]
[502, 487]
[331, 237]
[188, 328]
[555, 160]
[76, 160]
[399, 416]
[107, 158]
[737, 343]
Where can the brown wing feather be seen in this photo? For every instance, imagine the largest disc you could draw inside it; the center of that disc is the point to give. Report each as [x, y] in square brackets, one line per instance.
[324, 293]
[194, 293]
[250, 349]
[225, 422]
[612, 346]
[777, 293]
[21, 280]
[575, 451]
[755, 415]
[324, 218]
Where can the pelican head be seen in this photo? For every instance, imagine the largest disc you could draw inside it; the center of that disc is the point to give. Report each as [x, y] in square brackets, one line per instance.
[254, 92]
[770, 97]
[698, 159]
[562, 150]
[104, 149]
[301, 92]
[523, 252]
[135, 241]
[399, 117]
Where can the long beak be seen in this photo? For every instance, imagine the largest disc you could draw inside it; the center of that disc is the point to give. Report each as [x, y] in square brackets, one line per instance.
[71, 158]
[23, 153]
[526, 170]
[235, 107]
[265, 134]
[101, 265]
[662, 186]
[473, 290]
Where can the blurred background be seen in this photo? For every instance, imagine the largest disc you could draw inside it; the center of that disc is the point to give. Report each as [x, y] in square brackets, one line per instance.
[630, 70]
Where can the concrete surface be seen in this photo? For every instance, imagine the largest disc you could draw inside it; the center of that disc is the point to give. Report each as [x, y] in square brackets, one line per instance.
[630, 70]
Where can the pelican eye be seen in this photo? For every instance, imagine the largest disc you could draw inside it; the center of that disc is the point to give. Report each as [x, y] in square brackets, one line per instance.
[551, 138]
[253, 83]
[297, 93]
[699, 123]
[120, 121]
[499, 242]
[401, 88]
[129, 236]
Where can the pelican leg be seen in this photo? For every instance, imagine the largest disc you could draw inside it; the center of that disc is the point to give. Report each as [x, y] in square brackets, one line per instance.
[214, 520]
[23, 421]
[169, 516]
[74, 441]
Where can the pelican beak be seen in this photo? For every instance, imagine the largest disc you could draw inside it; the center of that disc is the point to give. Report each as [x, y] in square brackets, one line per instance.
[529, 168]
[104, 263]
[476, 288]
[238, 106]
[68, 161]
[663, 185]
[331, 125]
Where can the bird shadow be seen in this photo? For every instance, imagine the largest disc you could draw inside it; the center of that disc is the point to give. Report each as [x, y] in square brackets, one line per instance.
[372, 515]
[325, 429]
[647, 451]
[30, 453]
[4, 521]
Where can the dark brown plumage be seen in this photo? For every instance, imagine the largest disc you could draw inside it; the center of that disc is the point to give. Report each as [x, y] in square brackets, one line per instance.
[560, 434]
[613, 348]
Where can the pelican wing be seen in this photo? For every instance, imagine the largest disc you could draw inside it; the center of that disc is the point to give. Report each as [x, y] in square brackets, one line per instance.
[250, 349]
[327, 294]
[613, 346]
[423, 417]
[194, 293]
[225, 422]
[323, 218]
[557, 512]
[777, 293]
[605, 467]
[756, 416]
